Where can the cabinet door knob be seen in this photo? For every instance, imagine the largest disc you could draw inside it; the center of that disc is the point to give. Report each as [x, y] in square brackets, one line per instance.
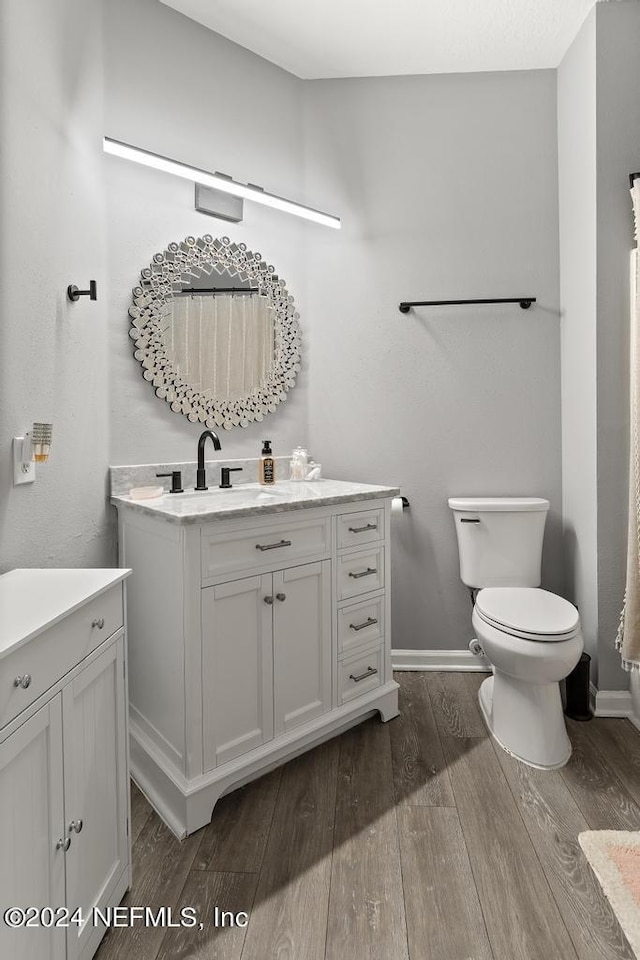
[281, 596]
[76, 826]
[98, 622]
[268, 600]
[63, 843]
[24, 681]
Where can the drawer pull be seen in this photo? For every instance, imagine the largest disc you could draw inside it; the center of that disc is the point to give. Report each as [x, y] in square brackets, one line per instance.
[365, 573]
[469, 519]
[63, 843]
[76, 826]
[273, 546]
[98, 622]
[369, 672]
[369, 526]
[369, 622]
[24, 681]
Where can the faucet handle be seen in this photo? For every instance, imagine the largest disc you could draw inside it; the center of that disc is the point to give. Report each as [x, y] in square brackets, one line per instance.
[225, 483]
[176, 480]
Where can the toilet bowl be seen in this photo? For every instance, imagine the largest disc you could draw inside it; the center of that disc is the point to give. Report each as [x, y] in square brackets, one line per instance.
[530, 636]
[532, 639]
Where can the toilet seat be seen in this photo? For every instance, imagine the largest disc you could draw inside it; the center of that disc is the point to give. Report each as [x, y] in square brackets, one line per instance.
[528, 612]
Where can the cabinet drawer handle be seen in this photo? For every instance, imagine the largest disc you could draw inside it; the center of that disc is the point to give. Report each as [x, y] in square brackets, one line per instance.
[63, 843]
[273, 546]
[281, 596]
[469, 519]
[365, 573]
[369, 672]
[369, 526]
[369, 622]
[76, 826]
[268, 600]
[24, 681]
[98, 622]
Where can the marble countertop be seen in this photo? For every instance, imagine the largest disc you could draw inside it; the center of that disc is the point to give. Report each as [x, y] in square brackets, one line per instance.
[253, 500]
[34, 600]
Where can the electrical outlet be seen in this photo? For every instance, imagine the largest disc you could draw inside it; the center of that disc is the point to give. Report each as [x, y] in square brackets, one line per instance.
[23, 472]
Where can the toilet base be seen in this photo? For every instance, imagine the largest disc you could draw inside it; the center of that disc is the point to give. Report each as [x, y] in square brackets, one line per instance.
[526, 720]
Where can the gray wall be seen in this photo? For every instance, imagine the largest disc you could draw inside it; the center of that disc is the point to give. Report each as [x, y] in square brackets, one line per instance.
[181, 90]
[53, 356]
[599, 145]
[448, 189]
[578, 268]
[447, 186]
[618, 112]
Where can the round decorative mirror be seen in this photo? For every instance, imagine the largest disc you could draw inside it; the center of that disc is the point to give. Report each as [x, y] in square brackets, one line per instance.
[216, 332]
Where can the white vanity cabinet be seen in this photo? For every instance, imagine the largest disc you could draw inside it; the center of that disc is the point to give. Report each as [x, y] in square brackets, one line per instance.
[64, 803]
[266, 658]
[242, 652]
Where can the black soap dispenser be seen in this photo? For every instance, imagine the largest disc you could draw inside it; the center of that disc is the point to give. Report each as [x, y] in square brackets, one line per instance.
[267, 465]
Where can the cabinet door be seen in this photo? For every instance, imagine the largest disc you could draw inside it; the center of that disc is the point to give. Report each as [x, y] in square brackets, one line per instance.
[94, 736]
[237, 668]
[302, 644]
[31, 823]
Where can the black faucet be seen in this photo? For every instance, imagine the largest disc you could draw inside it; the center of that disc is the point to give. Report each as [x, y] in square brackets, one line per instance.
[176, 480]
[201, 479]
[225, 482]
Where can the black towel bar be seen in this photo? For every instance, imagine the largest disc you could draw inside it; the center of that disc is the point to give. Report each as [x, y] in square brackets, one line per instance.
[405, 306]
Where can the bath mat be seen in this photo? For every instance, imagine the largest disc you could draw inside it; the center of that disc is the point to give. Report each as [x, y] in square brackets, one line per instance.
[614, 856]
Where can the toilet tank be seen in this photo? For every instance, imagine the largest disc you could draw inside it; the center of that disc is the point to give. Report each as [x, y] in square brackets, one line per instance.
[500, 540]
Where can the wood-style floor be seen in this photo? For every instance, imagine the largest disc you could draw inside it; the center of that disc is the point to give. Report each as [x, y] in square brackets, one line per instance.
[411, 840]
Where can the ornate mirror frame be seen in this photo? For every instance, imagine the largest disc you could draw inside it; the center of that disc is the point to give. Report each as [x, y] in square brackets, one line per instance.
[176, 268]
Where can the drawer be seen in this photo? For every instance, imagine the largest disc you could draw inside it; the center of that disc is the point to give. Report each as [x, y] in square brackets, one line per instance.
[55, 651]
[360, 623]
[358, 529]
[361, 572]
[257, 545]
[360, 673]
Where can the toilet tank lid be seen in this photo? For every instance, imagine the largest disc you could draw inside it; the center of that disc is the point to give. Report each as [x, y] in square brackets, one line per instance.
[528, 608]
[496, 504]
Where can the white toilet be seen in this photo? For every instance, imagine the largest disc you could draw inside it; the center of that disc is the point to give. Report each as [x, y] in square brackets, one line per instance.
[531, 637]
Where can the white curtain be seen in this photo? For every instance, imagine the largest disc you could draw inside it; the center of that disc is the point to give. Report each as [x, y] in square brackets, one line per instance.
[628, 638]
[222, 345]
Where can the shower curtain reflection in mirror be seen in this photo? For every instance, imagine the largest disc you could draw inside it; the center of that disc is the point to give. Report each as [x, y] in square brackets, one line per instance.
[222, 344]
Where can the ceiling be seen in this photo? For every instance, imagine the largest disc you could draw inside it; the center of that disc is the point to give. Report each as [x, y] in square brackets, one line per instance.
[367, 38]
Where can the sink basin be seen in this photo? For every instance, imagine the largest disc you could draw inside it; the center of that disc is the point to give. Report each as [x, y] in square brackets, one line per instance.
[248, 492]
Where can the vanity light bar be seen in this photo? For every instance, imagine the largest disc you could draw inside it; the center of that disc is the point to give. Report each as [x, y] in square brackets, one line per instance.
[218, 181]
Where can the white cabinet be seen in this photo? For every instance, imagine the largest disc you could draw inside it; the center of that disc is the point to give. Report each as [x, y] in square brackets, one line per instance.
[302, 644]
[96, 789]
[250, 640]
[63, 770]
[237, 668]
[31, 822]
[266, 658]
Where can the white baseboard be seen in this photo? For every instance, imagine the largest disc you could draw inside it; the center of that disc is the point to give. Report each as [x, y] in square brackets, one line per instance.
[613, 703]
[446, 660]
